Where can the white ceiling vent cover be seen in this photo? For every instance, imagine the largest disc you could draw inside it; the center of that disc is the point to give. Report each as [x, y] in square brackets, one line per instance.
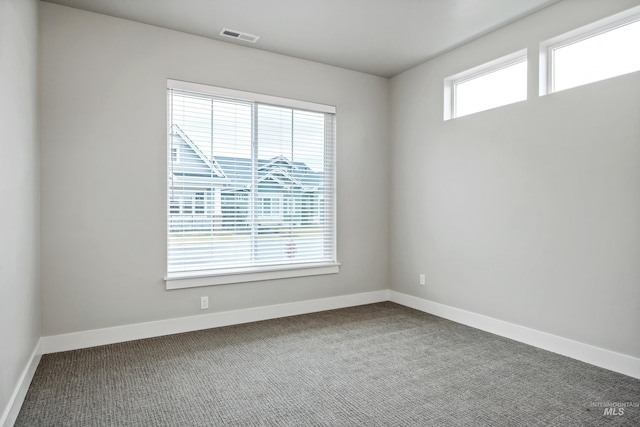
[238, 35]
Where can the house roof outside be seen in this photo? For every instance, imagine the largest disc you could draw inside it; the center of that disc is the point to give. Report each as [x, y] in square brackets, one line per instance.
[212, 165]
[236, 171]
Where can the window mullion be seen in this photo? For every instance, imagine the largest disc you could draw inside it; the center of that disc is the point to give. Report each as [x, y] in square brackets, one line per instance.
[253, 192]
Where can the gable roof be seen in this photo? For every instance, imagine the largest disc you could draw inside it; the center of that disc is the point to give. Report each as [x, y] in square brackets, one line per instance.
[211, 163]
[236, 171]
[278, 169]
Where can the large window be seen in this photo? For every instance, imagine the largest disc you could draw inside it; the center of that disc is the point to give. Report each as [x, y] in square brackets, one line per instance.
[494, 84]
[599, 51]
[256, 180]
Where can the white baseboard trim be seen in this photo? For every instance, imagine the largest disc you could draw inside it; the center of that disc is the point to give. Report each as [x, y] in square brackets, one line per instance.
[12, 410]
[607, 359]
[92, 338]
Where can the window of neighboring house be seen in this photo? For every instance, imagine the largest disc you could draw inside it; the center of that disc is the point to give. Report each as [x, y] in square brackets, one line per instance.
[271, 205]
[199, 202]
[174, 207]
[287, 208]
[598, 51]
[494, 84]
[187, 204]
[243, 155]
[265, 202]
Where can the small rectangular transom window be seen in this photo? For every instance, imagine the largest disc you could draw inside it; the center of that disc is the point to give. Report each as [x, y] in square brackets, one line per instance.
[494, 84]
[598, 51]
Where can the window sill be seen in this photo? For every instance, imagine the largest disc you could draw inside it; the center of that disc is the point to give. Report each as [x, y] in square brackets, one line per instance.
[225, 277]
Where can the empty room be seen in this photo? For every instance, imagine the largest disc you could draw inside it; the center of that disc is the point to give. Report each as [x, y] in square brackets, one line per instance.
[320, 213]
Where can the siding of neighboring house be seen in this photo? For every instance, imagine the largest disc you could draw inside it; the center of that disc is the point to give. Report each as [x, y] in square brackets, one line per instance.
[215, 194]
[195, 201]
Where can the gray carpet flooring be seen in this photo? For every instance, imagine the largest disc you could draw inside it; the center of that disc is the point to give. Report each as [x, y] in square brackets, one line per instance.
[374, 365]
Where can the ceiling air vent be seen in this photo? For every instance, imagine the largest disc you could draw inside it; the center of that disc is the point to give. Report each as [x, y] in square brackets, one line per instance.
[245, 37]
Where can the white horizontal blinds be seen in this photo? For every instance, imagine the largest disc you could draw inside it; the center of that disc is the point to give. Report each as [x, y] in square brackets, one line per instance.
[250, 184]
[327, 199]
[293, 168]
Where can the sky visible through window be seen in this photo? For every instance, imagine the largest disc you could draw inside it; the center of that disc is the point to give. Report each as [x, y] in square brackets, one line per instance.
[501, 87]
[295, 134]
[599, 57]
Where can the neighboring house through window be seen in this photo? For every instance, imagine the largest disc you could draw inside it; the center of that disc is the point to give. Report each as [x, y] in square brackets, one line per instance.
[255, 179]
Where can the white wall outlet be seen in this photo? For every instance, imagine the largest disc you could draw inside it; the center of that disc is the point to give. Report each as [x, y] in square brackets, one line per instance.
[423, 280]
[204, 303]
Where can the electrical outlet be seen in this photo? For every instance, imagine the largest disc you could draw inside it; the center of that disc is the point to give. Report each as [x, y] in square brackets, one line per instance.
[423, 280]
[204, 303]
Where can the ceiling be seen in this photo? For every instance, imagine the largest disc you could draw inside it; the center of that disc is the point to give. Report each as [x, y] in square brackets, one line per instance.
[381, 37]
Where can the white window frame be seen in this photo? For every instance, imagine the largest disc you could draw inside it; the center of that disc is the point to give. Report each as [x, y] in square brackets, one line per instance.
[590, 30]
[451, 82]
[261, 273]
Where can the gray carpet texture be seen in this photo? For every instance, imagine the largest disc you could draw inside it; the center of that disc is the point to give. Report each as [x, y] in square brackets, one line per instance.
[374, 365]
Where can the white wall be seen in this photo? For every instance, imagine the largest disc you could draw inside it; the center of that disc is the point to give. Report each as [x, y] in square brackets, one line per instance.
[103, 126]
[19, 192]
[529, 213]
